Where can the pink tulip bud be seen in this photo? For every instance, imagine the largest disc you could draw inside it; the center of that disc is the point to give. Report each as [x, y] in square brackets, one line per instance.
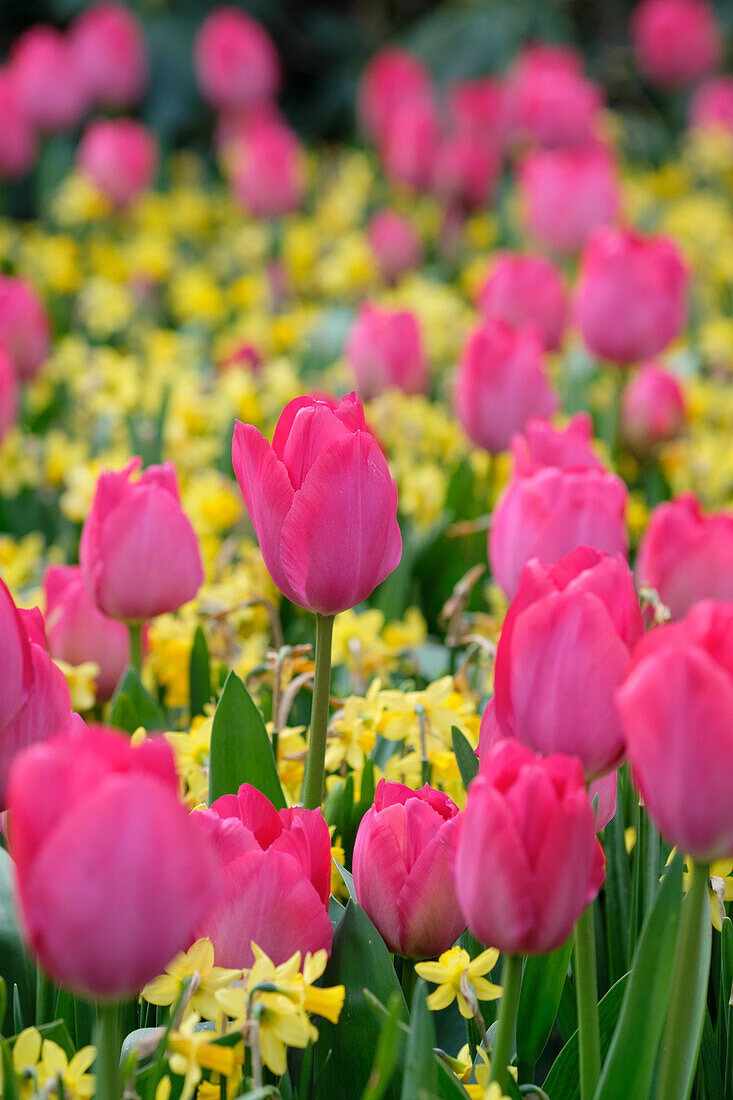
[523, 290]
[567, 193]
[25, 330]
[652, 409]
[79, 632]
[567, 448]
[138, 551]
[113, 873]
[236, 61]
[403, 869]
[395, 244]
[277, 875]
[527, 862]
[675, 41]
[677, 710]
[49, 83]
[549, 100]
[8, 393]
[643, 280]
[687, 556]
[385, 349]
[109, 50]
[269, 170]
[501, 383]
[120, 157]
[392, 77]
[712, 105]
[478, 107]
[466, 170]
[322, 551]
[409, 143]
[564, 649]
[17, 135]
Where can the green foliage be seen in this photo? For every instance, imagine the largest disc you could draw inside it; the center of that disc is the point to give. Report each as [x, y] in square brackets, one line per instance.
[241, 751]
[133, 706]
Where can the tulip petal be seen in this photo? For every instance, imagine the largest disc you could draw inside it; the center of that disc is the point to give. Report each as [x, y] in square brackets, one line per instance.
[379, 870]
[430, 918]
[314, 428]
[15, 659]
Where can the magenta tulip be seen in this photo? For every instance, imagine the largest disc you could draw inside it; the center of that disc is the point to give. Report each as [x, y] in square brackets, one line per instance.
[138, 551]
[712, 105]
[568, 448]
[392, 77]
[525, 290]
[268, 176]
[109, 50]
[652, 409]
[236, 61]
[675, 41]
[549, 100]
[403, 869]
[527, 862]
[395, 243]
[15, 659]
[18, 144]
[322, 503]
[25, 329]
[385, 350]
[8, 394]
[46, 76]
[677, 710]
[120, 157]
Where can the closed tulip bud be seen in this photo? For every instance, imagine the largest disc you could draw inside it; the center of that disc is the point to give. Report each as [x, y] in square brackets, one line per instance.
[49, 83]
[712, 105]
[652, 409]
[396, 246]
[564, 649]
[109, 49]
[385, 350]
[567, 448]
[410, 141]
[138, 551]
[25, 330]
[17, 134]
[120, 157]
[8, 393]
[236, 61]
[391, 77]
[268, 175]
[549, 100]
[79, 632]
[567, 193]
[466, 170]
[525, 290]
[113, 873]
[551, 513]
[501, 383]
[677, 711]
[323, 551]
[675, 41]
[687, 556]
[478, 107]
[641, 279]
[275, 865]
[403, 869]
[528, 862]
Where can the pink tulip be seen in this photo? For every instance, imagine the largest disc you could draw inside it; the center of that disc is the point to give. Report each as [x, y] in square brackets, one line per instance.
[236, 61]
[113, 873]
[478, 107]
[109, 50]
[395, 244]
[277, 875]
[17, 134]
[322, 503]
[643, 280]
[466, 170]
[15, 659]
[385, 349]
[564, 649]
[549, 100]
[403, 869]
[551, 513]
[120, 157]
[392, 77]
[712, 104]
[687, 556]
[138, 551]
[25, 329]
[524, 290]
[527, 862]
[567, 448]
[8, 393]
[268, 177]
[675, 41]
[501, 383]
[409, 143]
[79, 632]
[567, 193]
[677, 710]
[652, 409]
[49, 84]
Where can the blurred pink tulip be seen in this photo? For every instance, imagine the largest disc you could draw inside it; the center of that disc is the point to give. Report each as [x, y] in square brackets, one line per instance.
[568, 448]
[18, 145]
[712, 105]
[549, 100]
[269, 170]
[410, 142]
[25, 329]
[385, 349]
[120, 157]
[236, 61]
[652, 409]
[567, 193]
[110, 53]
[675, 41]
[47, 78]
[395, 244]
[391, 77]
[466, 170]
[478, 107]
[8, 394]
[523, 290]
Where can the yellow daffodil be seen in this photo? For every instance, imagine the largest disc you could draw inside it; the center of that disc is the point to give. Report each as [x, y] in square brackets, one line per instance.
[196, 963]
[448, 972]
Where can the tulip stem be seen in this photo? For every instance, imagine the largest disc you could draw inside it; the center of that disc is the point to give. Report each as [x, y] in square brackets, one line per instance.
[315, 762]
[107, 1041]
[511, 983]
[136, 646]
[586, 988]
[682, 1037]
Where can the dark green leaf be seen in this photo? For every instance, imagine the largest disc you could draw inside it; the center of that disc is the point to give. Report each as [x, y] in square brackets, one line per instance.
[15, 966]
[711, 1062]
[387, 1053]
[465, 756]
[241, 751]
[199, 674]
[421, 1070]
[542, 985]
[563, 1080]
[347, 879]
[617, 891]
[134, 706]
[726, 962]
[10, 1083]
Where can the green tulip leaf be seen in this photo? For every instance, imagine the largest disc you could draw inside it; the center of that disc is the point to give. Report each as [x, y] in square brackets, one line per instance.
[241, 751]
[15, 966]
[465, 756]
[563, 1080]
[421, 1069]
[387, 1053]
[199, 674]
[542, 985]
[134, 706]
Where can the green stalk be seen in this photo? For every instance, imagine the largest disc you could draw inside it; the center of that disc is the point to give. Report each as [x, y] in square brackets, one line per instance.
[586, 988]
[136, 646]
[45, 998]
[108, 1043]
[315, 762]
[511, 982]
[687, 1002]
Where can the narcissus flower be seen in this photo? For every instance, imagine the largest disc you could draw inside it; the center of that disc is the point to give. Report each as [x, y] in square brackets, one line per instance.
[448, 972]
[198, 960]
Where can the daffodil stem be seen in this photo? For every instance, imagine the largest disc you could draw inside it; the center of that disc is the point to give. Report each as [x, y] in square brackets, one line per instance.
[315, 762]
[511, 983]
[682, 1037]
[136, 646]
[586, 988]
[108, 1043]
